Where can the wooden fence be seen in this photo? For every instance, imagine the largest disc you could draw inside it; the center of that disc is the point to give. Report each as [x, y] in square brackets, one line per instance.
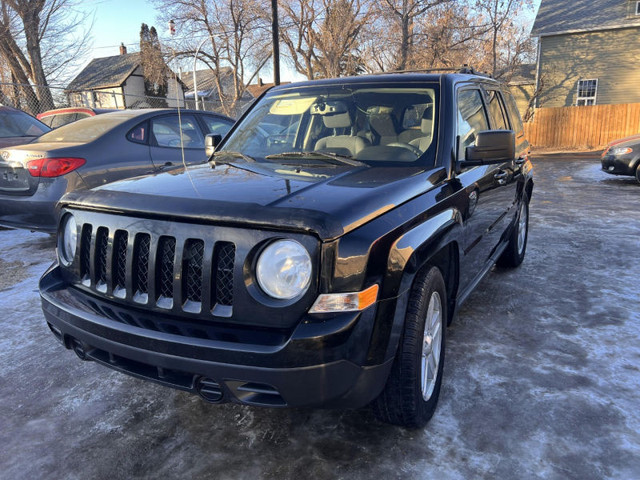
[582, 127]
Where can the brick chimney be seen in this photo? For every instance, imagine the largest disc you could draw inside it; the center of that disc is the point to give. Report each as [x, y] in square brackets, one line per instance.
[123, 49]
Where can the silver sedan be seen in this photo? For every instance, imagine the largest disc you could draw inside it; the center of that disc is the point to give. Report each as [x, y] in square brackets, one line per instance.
[95, 151]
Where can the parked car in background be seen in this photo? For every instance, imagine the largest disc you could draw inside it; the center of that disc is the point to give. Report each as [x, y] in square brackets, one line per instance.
[18, 127]
[95, 151]
[62, 116]
[622, 157]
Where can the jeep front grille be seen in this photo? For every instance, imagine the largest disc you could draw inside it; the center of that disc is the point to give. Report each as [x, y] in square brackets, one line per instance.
[165, 272]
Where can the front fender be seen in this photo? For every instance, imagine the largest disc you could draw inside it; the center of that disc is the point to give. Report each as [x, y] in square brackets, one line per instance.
[409, 254]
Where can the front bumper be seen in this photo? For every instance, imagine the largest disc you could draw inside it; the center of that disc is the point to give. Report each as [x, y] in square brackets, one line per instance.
[619, 165]
[317, 364]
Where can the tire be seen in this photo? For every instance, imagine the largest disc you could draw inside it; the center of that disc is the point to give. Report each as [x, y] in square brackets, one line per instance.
[638, 173]
[409, 398]
[513, 255]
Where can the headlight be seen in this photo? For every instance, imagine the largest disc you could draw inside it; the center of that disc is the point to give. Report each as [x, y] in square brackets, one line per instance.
[284, 269]
[620, 151]
[67, 239]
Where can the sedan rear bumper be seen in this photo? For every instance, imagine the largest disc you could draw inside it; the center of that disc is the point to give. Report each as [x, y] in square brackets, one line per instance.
[37, 211]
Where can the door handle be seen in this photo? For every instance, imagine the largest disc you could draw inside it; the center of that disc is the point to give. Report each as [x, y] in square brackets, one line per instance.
[501, 177]
[166, 165]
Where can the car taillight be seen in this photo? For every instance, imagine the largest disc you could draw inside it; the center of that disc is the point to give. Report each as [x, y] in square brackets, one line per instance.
[53, 167]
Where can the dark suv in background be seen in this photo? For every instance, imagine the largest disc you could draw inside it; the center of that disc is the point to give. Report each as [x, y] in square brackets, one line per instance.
[318, 257]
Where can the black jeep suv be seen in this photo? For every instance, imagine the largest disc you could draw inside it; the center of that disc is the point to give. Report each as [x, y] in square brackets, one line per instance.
[316, 259]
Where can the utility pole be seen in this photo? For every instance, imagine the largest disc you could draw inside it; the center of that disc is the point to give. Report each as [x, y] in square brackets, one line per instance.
[276, 42]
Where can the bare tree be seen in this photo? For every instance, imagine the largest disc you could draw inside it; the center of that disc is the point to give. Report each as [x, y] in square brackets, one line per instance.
[322, 36]
[30, 27]
[402, 16]
[237, 46]
[297, 31]
[338, 36]
[506, 41]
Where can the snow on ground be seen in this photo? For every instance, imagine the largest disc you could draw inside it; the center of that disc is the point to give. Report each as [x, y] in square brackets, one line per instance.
[541, 380]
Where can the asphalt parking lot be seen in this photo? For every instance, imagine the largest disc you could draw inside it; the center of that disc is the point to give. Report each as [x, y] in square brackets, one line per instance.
[541, 380]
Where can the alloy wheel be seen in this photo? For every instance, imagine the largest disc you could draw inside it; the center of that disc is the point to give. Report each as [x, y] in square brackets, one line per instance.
[431, 346]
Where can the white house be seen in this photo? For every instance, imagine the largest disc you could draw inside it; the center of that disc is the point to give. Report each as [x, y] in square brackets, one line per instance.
[118, 82]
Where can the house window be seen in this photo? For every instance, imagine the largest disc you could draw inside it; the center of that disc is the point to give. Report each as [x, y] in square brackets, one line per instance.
[637, 8]
[587, 90]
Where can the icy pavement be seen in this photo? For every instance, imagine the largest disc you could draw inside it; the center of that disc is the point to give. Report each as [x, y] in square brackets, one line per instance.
[542, 375]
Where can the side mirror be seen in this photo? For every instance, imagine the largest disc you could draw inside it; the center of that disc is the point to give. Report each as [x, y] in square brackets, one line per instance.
[492, 146]
[211, 141]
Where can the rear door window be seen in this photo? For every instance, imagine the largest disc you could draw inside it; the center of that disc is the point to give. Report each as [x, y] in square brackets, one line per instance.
[166, 132]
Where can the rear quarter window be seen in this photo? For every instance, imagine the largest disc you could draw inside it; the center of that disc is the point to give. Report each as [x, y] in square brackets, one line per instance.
[63, 119]
[514, 114]
[139, 133]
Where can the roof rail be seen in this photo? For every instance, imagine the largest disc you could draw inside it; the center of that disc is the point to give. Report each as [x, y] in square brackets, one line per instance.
[465, 69]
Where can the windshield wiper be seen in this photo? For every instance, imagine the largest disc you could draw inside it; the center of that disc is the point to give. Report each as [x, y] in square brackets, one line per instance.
[346, 159]
[231, 154]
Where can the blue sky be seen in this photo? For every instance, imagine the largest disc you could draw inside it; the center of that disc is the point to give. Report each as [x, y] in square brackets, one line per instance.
[117, 21]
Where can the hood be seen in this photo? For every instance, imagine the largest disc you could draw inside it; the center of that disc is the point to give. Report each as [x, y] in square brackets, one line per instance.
[632, 140]
[326, 200]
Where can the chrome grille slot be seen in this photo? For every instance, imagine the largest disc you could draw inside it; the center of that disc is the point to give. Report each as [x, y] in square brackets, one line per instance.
[192, 264]
[222, 293]
[164, 271]
[119, 263]
[141, 267]
[85, 254]
[102, 242]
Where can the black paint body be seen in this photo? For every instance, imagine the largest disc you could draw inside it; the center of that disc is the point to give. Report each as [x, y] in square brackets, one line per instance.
[362, 225]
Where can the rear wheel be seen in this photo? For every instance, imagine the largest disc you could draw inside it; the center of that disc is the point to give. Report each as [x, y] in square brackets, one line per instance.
[638, 173]
[411, 394]
[514, 253]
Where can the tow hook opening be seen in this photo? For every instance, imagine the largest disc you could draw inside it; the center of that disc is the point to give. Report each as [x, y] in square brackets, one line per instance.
[209, 390]
[77, 347]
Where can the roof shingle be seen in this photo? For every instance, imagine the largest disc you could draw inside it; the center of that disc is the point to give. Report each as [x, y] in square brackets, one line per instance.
[564, 16]
[105, 72]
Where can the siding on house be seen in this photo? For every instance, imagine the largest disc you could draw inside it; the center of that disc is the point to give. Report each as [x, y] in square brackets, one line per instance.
[522, 95]
[610, 56]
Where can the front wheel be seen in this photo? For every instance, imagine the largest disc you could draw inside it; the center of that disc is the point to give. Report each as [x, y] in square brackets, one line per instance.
[514, 253]
[411, 394]
[638, 173]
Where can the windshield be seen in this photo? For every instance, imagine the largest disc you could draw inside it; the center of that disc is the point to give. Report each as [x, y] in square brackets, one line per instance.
[371, 124]
[84, 130]
[14, 123]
